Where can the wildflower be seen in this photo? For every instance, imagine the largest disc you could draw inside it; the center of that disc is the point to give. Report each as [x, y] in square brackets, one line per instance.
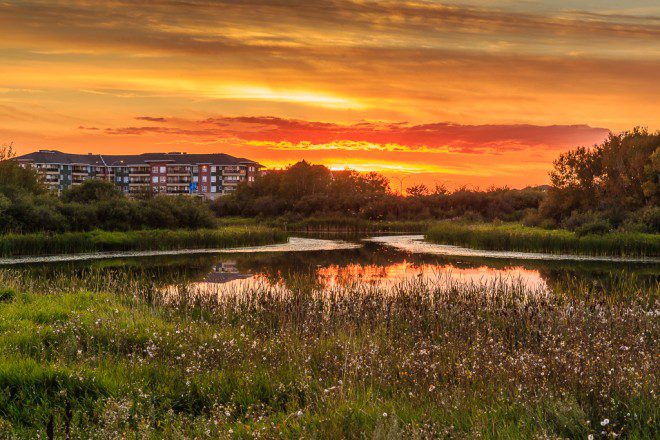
[384, 414]
[590, 437]
[431, 388]
[605, 422]
[299, 413]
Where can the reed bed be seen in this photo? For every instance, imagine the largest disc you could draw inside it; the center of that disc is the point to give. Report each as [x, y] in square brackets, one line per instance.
[515, 237]
[159, 239]
[108, 355]
[350, 224]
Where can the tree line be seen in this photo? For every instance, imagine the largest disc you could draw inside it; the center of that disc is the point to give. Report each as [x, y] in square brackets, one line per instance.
[304, 190]
[27, 206]
[611, 186]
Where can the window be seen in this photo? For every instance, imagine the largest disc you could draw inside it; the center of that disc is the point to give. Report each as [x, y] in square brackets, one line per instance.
[205, 188]
[154, 170]
[154, 179]
[204, 178]
[126, 179]
[213, 179]
[163, 179]
[213, 169]
[195, 179]
[204, 168]
[251, 168]
[250, 179]
[163, 170]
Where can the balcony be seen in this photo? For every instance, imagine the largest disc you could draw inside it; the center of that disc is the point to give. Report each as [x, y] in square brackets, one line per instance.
[178, 180]
[178, 171]
[48, 169]
[138, 171]
[233, 172]
[177, 190]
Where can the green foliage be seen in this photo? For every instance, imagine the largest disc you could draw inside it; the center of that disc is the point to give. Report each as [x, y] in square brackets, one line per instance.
[7, 295]
[347, 224]
[14, 178]
[617, 178]
[307, 190]
[97, 204]
[91, 191]
[590, 238]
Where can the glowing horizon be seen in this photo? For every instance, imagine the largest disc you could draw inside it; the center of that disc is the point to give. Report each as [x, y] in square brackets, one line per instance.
[467, 93]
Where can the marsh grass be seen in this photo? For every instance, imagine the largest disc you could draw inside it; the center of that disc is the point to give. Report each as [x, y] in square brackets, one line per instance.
[515, 237]
[348, 224]
[106, 355]
[104, 241]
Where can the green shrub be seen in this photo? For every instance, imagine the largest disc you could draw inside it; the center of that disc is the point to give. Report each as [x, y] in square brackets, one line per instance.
[594, 227]
[643, 220]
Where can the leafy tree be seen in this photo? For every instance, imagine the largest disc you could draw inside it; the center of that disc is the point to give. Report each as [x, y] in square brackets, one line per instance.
[92, 190]
[611, 181]
[14, 178]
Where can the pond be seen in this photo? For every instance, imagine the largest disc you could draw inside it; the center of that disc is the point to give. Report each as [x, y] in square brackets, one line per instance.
[325, 263]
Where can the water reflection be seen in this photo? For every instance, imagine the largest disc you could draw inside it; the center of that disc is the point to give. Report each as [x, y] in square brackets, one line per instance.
[227, 278]
[374, 264]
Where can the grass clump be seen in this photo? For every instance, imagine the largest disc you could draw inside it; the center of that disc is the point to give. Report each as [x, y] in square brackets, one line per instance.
[7, 295]
[515, 237]
[141, 240]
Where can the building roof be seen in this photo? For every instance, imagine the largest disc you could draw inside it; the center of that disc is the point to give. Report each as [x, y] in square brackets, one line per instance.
[58, 157]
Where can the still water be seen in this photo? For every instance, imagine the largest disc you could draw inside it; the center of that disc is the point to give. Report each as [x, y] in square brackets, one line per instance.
[325, 263]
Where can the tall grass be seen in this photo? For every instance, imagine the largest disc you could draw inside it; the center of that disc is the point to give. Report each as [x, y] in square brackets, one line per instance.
[424, 360]
[348, 224]
[515, 237]
[103, 241]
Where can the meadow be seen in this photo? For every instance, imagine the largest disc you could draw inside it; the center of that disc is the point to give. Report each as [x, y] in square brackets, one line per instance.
[155, 239]
[110, 355]
[515, 237]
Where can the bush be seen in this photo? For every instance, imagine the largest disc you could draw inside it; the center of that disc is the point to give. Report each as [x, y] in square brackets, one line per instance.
[99, 204]
[643, 220]
[93, 190]
[594, 227]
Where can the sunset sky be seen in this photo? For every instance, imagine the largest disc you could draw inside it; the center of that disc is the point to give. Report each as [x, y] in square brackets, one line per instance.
[469, 92]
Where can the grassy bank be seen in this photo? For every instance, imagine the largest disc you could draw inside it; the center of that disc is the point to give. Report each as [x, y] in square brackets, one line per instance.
[348, 224]
[331, 224]
[515, 237]
[92, 356]
[103, 241]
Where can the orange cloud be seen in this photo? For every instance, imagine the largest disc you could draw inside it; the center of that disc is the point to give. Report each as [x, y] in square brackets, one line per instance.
[520, 81]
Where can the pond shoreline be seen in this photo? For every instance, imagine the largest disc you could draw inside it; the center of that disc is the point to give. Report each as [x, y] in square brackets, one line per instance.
[416, 243]
[43, 244]
[294, 244]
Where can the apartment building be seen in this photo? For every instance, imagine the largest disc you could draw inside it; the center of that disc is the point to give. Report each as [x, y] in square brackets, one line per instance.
[208, 175]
